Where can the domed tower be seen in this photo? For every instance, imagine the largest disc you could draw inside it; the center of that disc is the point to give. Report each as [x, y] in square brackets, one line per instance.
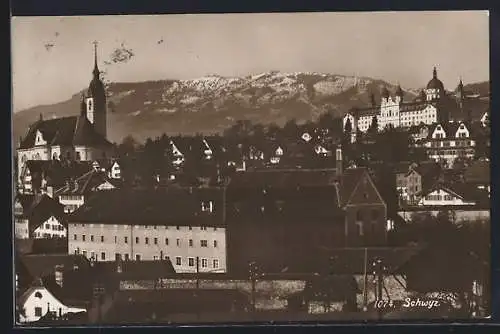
[435, 88]
[96, 100]
[384, 93]
[460, 90]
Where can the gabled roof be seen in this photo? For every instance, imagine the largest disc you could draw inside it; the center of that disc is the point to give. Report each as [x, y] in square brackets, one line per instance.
[39, 208]
[464, 191]
[41, 265]
[160, 206]
[65, 131]
[350, 179]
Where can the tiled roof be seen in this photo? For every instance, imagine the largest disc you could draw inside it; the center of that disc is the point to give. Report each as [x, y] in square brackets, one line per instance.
[84, 184]
[66, 131]
[41, 265]
[288, 178]
[464, 190]
[39, 208]
[134, 270]
[160, 206]
[57, 172]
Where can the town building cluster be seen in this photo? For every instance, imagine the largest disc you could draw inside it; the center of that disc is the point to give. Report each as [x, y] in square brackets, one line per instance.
[284, 205]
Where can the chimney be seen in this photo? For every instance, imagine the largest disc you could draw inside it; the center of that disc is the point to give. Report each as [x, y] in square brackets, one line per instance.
[58, 273]
[339, 161]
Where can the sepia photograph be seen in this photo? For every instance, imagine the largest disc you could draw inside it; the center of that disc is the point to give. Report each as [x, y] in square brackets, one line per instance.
[250, 168]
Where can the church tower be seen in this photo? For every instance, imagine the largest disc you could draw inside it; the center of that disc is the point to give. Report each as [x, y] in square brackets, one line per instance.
[96, 100]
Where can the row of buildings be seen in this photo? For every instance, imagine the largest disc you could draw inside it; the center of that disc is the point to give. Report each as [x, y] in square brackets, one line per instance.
[271, 209]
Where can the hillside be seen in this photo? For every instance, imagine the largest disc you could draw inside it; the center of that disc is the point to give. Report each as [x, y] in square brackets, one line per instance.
[211, 104]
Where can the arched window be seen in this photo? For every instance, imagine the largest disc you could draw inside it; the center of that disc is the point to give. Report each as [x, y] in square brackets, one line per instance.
[38, 295]
[54, 156]
[78, 156]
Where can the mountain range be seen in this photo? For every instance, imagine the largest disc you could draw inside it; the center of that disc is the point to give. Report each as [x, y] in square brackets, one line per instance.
[213, 103]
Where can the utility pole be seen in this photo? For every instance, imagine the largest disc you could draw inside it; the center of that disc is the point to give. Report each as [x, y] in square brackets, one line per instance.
[365, 278]
[253, 274]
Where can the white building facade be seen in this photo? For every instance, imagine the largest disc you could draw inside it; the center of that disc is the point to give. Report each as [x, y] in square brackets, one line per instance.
[183, 245]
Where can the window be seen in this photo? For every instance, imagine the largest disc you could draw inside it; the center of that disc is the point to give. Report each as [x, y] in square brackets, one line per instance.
[167, 258]
[126, 257]
[215, 263]
[178, 260]
[146, 240]
[156, 241]
[116, 239]
[204, 263]
[178, 227]
[78, 156]
[215, 229]
[118, 256]
[190, 242]
[91, 238]
[103, 256]
[359, 226]
[102, 238]
[155, 257]
[166, 241]
[136, 240]
[83, 237]
[178, 242]
[125, 239]
[215, 243]
[203, 228]
[190, 228]
[47, 226]
[92, 255]
[38, 295]
[138, 257]
[75, 237]
[84, 253]
[204, 243]
[38, 311]
[359, 215]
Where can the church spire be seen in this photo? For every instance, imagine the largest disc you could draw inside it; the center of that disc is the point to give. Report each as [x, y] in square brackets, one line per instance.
[96, 69]
[434, 73]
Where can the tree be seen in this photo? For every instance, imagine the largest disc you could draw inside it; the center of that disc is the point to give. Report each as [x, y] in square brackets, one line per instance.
[128, 146]
[291, 129]
[348, 126]
[374, 125]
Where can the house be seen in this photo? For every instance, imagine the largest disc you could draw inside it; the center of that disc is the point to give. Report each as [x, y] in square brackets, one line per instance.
[417, 177]
[75, 192]
[38, 216]
[291, 212]
[39, 176]
[457, 194]
[112, 168]
[180, 224]
[58, 284]
[448, 142]
[82, 137]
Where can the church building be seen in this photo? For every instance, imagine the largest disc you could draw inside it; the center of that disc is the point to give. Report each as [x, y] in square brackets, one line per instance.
[82, 137]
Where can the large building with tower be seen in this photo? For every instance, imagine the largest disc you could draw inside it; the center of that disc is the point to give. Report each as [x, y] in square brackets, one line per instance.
[82, 137]
[433, 105]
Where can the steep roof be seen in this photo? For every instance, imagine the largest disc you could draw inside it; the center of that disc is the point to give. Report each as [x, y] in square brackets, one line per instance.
[160, 206]
[84, 184]
[39, 208]
[467, 192]
[134, 270]
[65, 131]
[41, 265]
[57, 172]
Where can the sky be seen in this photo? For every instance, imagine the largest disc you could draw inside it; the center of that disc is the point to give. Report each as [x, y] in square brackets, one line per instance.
[399, 47]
